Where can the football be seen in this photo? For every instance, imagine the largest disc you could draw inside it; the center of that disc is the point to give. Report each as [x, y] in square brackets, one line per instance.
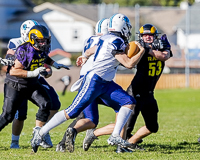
[132, 49]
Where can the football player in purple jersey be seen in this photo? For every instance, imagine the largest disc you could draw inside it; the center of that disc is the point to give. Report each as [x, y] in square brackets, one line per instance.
[22, 77]
[21, 114]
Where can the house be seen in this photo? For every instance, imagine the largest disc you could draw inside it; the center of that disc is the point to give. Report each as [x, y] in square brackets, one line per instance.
[69, 24]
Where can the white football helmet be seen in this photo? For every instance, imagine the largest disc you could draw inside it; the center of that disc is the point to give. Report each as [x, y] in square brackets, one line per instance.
[102, 27]
[120, 23]
[25, 28]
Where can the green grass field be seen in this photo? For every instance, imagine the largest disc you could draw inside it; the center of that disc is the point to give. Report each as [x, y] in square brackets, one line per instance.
[176, 139]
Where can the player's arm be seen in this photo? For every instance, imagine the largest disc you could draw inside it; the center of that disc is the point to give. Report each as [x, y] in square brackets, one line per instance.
[10, 51]
[130, 62]
[18, 70]
[81, 60]
[161, 48]
[51, 62]
[90, 51]
[160, 55]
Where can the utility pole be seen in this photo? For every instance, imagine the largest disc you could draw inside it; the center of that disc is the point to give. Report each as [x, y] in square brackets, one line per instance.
[137, 19]
[187, 56]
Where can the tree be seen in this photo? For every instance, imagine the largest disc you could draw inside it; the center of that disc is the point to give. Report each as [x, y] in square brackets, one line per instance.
[120, 2]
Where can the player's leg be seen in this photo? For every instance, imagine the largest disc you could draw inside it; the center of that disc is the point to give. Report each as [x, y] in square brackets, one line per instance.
[41, 98]
[46, 142]
[116, 95]
[61, 145]
[133, 117]
[12, 98]
[150, 114]
[90, 121]
[93, 134]
[18, 124]
[87, 94]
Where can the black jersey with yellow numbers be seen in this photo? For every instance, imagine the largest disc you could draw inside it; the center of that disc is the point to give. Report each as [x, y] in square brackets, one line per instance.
[148, 72]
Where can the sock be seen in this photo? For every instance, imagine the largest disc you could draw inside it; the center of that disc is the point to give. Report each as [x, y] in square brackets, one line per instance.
[122, 118]
[15, 138]
[56, 120]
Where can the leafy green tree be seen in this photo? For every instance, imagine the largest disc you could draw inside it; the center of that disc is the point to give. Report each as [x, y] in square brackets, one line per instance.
[120, 2]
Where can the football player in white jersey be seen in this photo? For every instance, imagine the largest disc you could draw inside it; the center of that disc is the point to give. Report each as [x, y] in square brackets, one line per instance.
[98, 82]
[89, 117]
[21, 114]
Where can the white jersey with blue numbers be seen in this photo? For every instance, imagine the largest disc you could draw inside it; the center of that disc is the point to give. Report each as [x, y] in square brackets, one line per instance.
[105, 64]
[14, 43]
[90, 42]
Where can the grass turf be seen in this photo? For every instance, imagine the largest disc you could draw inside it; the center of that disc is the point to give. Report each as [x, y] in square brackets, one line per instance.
[176, 139]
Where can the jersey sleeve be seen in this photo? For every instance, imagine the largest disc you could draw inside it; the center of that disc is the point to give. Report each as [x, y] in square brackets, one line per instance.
[20, 55]
[118, 45]
[11, 45]
[90, 42]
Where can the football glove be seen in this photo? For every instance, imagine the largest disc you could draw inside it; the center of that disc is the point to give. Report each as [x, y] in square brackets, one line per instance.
[58, 66]
[44, 73]
[161, 43]
[36, 72]
[7, 62]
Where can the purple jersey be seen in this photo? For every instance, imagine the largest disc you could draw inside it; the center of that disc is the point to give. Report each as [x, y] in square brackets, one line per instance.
[31, 59]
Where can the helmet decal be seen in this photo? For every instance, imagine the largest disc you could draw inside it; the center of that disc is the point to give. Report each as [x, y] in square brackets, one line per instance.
[24, 26]
[99, 25]
[111, 18]
[35, 22]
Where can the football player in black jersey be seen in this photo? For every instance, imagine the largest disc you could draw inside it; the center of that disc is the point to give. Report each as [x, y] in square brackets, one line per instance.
[149, 70]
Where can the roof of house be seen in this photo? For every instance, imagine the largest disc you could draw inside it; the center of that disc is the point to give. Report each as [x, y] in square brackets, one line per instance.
[79, 12]
[193, 19]
[60, 52]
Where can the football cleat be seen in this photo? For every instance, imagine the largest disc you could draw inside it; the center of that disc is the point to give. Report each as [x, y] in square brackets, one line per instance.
[70, 139]
[89, 139]
[60, 147]
[135, 146]
[14, 144]
[46, 141]
[199, 140]
[123, 150]
[118, 141]
[36, 140]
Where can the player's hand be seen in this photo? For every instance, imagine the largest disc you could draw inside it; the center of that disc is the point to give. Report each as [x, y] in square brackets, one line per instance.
[59, 66]
[161, 43]
[44, 73]
[164, 40]
[7, 62]
[141, 42]
[36, 72]
[81, 60]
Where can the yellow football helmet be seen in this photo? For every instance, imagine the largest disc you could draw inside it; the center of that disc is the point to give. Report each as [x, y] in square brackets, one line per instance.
[37, 33]
[148, 29]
